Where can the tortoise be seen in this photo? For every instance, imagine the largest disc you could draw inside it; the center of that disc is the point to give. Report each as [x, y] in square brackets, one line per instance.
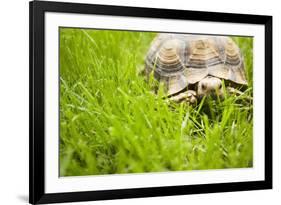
[193, 66]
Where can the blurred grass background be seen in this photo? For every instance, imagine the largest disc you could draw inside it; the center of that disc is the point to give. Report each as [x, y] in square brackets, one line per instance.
[111, 123]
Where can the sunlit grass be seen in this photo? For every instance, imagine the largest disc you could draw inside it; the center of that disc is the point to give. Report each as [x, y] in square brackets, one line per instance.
[111, 122]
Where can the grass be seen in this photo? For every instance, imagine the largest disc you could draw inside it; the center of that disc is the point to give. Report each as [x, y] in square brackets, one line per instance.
[111, 122]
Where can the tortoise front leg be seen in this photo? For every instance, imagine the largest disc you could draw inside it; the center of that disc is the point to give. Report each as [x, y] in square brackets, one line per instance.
[236, 92]
[187, 96]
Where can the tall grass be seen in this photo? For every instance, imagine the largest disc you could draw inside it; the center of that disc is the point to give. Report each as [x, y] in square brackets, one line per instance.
[111, 122]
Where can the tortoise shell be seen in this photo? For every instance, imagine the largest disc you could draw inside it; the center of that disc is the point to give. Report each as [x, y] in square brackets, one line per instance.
[180, 59]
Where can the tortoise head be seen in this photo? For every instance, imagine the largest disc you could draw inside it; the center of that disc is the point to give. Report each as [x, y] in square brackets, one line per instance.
[210, 86]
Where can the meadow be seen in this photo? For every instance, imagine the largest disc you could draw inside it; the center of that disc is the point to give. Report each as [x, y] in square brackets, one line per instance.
[111, 122]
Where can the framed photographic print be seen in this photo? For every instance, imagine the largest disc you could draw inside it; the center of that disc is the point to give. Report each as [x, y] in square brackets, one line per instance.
[140, 102]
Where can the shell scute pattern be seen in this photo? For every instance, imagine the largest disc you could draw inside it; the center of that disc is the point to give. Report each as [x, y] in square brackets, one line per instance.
[180, 59]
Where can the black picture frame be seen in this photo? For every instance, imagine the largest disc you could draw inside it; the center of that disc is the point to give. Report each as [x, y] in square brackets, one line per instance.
[37, 10]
